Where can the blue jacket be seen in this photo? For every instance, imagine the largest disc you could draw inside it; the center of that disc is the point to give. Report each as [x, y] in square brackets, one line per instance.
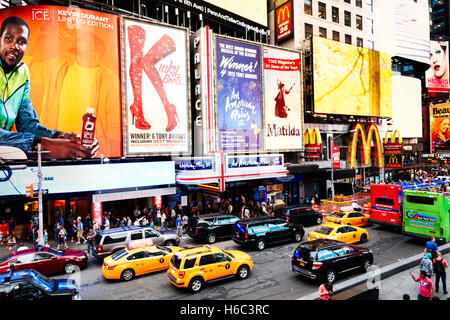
[16, 108]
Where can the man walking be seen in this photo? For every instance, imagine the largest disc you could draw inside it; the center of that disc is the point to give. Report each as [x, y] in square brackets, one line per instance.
[90, 242]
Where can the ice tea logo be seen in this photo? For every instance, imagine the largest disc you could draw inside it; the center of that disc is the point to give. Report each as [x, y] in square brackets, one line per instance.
[40, 14]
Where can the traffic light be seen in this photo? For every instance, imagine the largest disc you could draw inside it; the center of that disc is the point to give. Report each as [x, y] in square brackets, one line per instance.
[30, 192]
[31, 206]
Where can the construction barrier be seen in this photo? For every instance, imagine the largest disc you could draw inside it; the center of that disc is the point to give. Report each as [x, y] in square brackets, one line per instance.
[331, 206]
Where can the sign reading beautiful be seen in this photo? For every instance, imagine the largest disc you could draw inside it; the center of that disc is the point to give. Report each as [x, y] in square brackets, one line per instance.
[439, 128]
[238, 74]
[282, 96]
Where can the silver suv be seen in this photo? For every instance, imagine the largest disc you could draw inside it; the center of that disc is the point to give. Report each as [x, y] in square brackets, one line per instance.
[106, 242]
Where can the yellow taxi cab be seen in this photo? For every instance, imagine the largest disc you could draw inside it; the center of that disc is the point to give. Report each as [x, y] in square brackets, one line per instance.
[339, 232]
[192, 268]
[128, 263]
[352, 218]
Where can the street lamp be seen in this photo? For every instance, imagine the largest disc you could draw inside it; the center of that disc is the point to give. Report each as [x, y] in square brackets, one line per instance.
[332, 168]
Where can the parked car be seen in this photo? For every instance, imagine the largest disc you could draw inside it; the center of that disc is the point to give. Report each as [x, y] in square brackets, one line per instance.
[303, 215]
[32, 285]
[126, 264]
[45, 260]
[211, 228]
[333, 231]
[325, 259]
[192, 268]
[107, 242]
[352, 218]
[258, 232]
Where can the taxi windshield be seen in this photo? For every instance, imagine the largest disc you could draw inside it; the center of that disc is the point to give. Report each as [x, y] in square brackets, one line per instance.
[323, 230]
[338, 214]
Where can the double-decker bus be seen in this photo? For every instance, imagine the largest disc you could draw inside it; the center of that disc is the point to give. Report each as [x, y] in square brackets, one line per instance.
[426, 214]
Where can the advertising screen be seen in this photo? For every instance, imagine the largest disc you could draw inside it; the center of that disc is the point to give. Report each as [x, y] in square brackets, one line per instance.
[70, 64]
[439, 128]
[436, 76]
[282, 99]
[156, 95]
[239, 112]
[351, 80]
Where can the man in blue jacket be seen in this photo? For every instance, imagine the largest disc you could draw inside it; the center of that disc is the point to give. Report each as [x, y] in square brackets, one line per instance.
[16, 106]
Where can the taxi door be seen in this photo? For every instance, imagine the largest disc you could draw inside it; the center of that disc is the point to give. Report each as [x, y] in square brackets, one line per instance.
[139, 261]
[343, 235]
[158, 260]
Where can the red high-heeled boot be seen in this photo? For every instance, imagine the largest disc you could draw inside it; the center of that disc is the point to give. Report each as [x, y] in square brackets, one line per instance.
[136, 40]
[161, 49]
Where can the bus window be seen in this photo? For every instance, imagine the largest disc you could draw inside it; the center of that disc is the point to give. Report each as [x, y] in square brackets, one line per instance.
[420, 200]
[385, 201]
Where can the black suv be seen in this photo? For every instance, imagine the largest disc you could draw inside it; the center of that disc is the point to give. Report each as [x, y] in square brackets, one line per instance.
[213, 227]
[325, 259]
[299, 215]
[266, 230]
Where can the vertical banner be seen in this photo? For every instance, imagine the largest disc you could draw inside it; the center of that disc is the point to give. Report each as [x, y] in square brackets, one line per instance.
[282, 99]
[156, 88]
[239, 114]
[439, 128]
[283, 21]
[72, 56]
[336, 157]
[97, 212]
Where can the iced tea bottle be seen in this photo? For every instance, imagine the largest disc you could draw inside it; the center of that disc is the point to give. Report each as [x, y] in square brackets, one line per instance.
[88, 128]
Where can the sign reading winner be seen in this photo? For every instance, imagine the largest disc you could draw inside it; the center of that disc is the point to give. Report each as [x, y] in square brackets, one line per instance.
[238, 76]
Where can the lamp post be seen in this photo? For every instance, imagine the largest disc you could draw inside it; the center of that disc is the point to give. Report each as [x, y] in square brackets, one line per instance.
[332, 168]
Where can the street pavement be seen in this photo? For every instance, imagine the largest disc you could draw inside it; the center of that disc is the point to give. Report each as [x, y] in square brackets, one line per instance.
[391, 288]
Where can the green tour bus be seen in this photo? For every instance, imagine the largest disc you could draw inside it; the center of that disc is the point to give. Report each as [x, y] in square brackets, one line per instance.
[426, 214]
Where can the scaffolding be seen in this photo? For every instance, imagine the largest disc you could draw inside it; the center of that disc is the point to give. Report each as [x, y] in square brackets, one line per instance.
[338, 202]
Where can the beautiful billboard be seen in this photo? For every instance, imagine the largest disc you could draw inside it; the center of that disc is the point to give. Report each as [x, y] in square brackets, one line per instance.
[282, 99]
[238, 86]
[156, 91]
[351, 80]
[437, 78]
[70, 64]
[439, 128]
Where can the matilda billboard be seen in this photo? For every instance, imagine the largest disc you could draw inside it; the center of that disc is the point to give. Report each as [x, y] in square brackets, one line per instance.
[156, 94]
[282, 99]
[351, 80]
[66, 61]
[238, 86]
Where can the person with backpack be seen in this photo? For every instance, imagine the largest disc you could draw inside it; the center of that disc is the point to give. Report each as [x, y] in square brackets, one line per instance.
[431, 247]
[427, 265]
[440, 264]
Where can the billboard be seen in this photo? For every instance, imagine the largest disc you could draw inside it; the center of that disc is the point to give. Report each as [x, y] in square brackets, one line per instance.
[71, 63]
[439, 128]
[156, 88]
[254, 10]
[282, 99]
[284, 18]
[365, 138]
[238, 91]
[436, 77]
[351, 80]
[313, 144]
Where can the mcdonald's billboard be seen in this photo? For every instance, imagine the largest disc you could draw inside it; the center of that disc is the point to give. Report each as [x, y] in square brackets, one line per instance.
[393, 160]
[364, 137]
[284, 21]
[393, 147]
[313, 144]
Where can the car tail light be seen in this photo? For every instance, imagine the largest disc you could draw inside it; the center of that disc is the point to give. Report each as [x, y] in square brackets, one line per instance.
[181, 274]
[110, 267]
[316, 265]
[287, 218]
[196, 230]
[100, 249]
[246, 236]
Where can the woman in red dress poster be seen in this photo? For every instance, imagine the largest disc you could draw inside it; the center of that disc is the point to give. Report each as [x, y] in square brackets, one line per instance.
[280, 106]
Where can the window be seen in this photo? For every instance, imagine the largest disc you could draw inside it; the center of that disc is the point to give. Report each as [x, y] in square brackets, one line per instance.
[325, 254]
[189, 263]
[369, 25]
[115, 238]
[42, 256]
[322, 10]
[348, 18]
[370, 44]
[28, 258]
[136, 235]
[347, 1]
[138, 255]
[359, 22]
[359, 42]
[348, 39]
[208, 259]
[358, 3]
[369, 5]
[335, 14]
[308, 30]
[336, 36]
[322, 32]
[420, 200]
[344, 250]
[385, 201]
[308, 7]
[220, 257]
[150, 234]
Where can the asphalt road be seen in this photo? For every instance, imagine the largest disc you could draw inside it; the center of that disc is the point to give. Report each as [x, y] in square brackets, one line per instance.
[270, 279]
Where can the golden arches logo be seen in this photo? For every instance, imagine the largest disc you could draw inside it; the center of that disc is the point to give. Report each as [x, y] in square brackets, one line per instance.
[366, 137]
[393, 160]
[283, 12]
[392, 135]
[311, 135]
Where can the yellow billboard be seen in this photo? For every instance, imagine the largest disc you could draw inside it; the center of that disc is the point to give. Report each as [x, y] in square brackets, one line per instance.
[351, 80]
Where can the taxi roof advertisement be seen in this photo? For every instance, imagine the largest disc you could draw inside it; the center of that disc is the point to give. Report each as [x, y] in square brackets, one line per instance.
[73, 60]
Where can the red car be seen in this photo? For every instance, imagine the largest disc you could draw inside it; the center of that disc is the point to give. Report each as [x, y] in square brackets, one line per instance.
[45, 260]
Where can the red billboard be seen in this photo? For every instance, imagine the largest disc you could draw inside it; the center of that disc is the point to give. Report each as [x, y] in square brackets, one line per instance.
[336, 157]
[283, 21]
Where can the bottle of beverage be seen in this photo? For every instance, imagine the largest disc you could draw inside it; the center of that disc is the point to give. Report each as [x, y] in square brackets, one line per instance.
[88, 128]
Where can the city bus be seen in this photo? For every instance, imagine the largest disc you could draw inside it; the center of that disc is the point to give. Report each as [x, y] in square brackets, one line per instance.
[426, 214]
[386, 204]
